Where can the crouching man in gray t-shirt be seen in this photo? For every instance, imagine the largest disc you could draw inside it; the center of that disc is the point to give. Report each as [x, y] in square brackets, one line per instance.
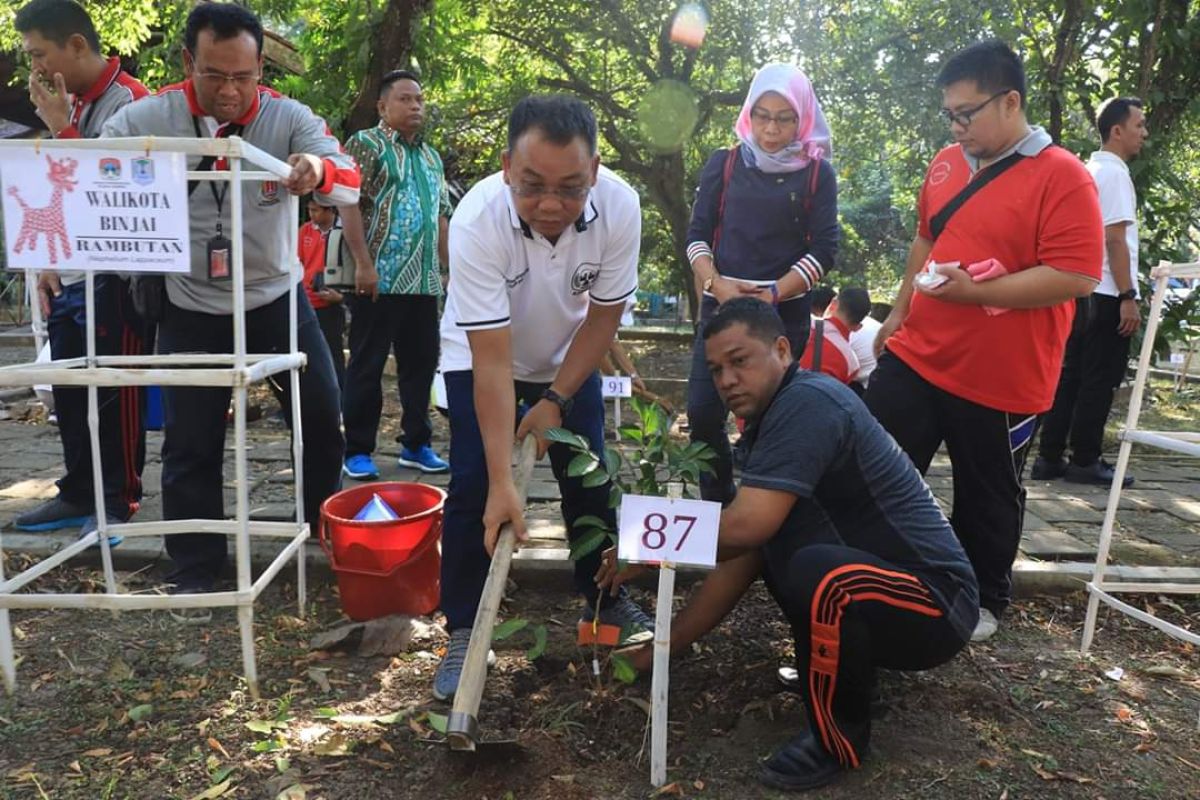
[848, 537]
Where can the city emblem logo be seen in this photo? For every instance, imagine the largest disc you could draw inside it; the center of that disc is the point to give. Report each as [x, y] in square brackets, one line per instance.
[110, 168]
[143, 171]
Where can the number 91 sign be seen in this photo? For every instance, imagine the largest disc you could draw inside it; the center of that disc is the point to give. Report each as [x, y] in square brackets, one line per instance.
[655, 530]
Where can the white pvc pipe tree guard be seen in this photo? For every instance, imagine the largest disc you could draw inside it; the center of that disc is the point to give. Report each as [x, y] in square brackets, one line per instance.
[1101, 589]
[237, 370]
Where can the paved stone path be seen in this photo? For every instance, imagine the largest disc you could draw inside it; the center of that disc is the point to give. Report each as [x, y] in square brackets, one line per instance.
[1159, 518]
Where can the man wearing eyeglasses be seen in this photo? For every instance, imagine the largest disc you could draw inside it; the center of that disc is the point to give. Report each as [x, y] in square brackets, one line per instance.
[405, 208]
[543, 257]
[972, 356]
[222, 97]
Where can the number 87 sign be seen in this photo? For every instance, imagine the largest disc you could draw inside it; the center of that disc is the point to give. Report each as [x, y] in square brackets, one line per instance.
[656, 530]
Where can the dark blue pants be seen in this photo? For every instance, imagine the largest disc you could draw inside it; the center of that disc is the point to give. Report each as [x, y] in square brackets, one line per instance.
[1093, 365]
[707, 415]
[119, 331]
[407, 326]
[193, 453]
[464, 561]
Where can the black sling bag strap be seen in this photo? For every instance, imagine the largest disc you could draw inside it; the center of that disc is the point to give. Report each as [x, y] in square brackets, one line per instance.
[939, 221]
[818, 344]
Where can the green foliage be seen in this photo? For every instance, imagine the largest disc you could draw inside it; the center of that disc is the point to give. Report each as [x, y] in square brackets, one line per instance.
[873, 65]
[654, 460]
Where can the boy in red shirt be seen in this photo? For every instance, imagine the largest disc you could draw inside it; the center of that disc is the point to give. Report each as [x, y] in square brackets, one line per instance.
[973, 356]
[837, 358]
[326, 301]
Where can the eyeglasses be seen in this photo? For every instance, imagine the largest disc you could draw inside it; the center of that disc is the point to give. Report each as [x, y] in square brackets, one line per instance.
[964, 118]
[572, 194]
[783, 120]
[241, 80]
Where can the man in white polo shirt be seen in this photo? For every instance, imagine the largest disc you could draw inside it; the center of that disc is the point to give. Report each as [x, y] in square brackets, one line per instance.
[543, 257]
[1097, 353]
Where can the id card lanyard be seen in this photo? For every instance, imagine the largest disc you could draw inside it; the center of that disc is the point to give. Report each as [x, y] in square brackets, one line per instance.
[220, 248]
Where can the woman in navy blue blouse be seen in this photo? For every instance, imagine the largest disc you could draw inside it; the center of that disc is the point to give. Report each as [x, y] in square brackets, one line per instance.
[764, 224]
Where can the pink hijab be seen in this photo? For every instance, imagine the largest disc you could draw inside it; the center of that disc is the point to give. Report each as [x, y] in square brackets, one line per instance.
[812, 134]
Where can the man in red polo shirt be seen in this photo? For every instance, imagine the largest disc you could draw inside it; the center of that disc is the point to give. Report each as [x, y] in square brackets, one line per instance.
[972, 356]
[837, 358]
[75, 90]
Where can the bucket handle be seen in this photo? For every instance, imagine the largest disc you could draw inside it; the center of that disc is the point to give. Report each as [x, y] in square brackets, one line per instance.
[431, 540]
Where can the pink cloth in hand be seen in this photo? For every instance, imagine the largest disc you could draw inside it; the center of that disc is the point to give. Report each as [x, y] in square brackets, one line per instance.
[987, 270]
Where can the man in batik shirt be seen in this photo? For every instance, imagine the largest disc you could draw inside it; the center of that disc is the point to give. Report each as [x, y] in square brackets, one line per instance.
[405, 207]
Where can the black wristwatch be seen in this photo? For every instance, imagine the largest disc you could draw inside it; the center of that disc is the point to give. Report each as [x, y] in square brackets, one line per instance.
[1128, 294]
[564, 403]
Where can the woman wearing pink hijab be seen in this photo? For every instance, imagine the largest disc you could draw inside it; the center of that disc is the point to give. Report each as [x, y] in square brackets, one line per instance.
[764, 224]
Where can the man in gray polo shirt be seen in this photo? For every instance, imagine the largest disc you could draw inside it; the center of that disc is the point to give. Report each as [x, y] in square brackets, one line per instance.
[221, 97]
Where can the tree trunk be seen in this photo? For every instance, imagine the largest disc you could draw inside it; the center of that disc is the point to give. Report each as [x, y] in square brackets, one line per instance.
[1066, 41]
[391, 48]
[665, 185]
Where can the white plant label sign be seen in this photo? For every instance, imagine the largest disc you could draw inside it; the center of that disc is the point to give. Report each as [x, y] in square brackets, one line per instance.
[656, 530]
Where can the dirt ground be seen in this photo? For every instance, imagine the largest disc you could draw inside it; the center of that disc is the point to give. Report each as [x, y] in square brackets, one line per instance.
[137, 707]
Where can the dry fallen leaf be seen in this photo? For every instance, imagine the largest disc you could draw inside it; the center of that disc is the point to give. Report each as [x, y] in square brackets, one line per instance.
[215, 744]
[213, 792]
[98, 752]
[335, 745]
[318, 677]
[698, 785]
[670, 788]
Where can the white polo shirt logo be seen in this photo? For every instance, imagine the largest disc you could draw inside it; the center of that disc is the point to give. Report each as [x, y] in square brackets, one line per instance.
[584, 277]
[503, 275]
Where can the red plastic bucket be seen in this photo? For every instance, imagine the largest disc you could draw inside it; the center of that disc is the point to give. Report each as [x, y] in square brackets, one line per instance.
[386, 566]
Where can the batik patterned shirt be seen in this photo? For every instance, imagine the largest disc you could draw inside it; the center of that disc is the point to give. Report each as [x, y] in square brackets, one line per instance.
[403, 195]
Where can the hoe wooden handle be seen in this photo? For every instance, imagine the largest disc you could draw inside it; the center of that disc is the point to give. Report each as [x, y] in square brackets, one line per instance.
[462, 726]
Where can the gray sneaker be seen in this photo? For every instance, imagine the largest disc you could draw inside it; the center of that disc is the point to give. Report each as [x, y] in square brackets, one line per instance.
[986, 627]
[445, 680]
[92, 524]
[52, 515]
[636, 625]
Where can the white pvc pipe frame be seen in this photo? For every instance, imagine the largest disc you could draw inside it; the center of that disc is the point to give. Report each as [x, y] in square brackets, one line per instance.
[1099, 589]
[236, 370]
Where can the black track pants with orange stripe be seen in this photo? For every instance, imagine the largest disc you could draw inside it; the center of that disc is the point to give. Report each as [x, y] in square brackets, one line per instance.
[852, 612]
[119, 332]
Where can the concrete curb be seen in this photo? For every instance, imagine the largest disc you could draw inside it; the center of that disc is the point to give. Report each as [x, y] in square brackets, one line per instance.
[1030, 578]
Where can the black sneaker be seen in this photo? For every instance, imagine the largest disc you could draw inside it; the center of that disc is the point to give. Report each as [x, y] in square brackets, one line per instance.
[800, 765]
[1099, 473]
[53, 514]
[1046, 470]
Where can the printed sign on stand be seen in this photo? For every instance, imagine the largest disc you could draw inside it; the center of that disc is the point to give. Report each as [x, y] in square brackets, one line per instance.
[93, 211]
[656, 530]
[616, 386]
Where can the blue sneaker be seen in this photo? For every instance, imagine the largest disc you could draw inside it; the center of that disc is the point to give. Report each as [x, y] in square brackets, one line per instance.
[360, 468]
[91, 524]
[52, 515]
[423, 458]
[445, 680]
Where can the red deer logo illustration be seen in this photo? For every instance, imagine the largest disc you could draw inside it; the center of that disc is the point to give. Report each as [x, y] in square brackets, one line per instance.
[48, 219]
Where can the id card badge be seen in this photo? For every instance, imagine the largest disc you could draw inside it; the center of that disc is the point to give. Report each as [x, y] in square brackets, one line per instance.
[220, 257]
